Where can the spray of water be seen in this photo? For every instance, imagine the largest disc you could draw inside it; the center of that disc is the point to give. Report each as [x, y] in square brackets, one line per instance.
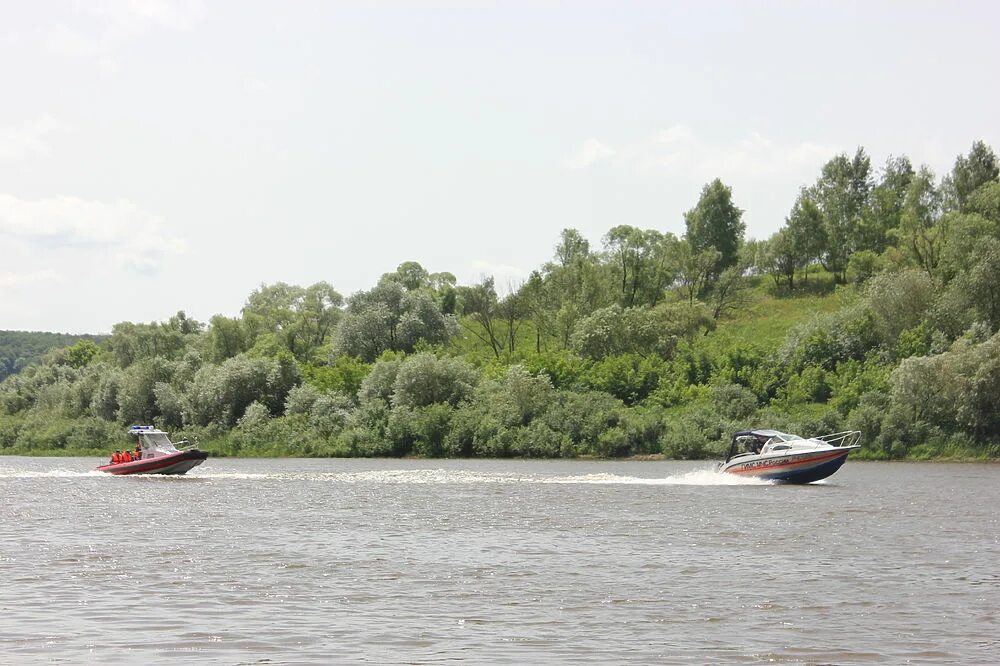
[12, 473]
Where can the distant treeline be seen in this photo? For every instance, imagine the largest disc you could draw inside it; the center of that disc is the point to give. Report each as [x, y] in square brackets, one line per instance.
[875, 307]
[19, 349]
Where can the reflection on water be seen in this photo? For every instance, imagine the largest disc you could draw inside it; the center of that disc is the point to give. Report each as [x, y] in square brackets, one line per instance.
[403, 561]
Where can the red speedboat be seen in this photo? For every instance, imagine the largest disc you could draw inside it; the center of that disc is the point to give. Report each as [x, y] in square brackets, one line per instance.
[158, 455]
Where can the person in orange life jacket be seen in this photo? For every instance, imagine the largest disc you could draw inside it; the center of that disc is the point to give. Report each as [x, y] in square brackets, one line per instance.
[138, 453]
[116, 457]
[126, 456]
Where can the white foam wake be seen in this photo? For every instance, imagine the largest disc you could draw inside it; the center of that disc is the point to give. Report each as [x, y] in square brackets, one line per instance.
[11, 473]
[702, 477]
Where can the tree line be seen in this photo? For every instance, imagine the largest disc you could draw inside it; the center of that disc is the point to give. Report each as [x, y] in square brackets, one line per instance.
[644, 345]
[19, 349]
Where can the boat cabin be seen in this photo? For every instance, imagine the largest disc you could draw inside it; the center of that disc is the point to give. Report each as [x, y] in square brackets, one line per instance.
[762, 442]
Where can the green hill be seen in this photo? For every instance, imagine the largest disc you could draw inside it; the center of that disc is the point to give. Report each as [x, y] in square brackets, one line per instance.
[19, 349]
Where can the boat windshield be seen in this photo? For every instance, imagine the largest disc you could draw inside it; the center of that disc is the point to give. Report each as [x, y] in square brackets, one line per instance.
[783, 437]
[158, 442]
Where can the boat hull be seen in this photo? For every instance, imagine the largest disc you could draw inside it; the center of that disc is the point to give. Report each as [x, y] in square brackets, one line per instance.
[172, 464]
[804, 467]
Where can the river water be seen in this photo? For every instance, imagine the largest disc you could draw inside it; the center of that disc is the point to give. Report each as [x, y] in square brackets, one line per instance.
[507, 562]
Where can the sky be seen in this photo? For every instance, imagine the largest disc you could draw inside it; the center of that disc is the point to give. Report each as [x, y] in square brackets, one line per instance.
[160, 156]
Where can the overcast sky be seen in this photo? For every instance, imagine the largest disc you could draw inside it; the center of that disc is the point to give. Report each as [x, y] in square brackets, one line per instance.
[158, 156]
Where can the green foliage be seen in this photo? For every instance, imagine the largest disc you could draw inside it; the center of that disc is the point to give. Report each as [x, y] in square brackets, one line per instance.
[899, 301]
[344, 375]
[642, 331]
[221, 394]
[863, 265]
[19, 349]
[300, 320]
[424, 379]
[716, 223]
[629, 377]
[842, 193]
[654, 345]
[971, 172]
[390, 318]
[80, 354]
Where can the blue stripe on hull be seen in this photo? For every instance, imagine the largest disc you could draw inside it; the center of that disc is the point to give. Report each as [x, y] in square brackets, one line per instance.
[807, 475]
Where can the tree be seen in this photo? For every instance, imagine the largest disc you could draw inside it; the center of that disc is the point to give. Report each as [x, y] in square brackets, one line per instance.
[221, 394]
[643, 331]
[899, 301]
[317, 313]
[730, 292]
[922, 230]
[390, 318]
[133, 342]
[981, 284]
[780, 258]
[569, 287]
[800, 241]
[842, 193]
[985, 201]
[411, 275]
[715, 222]
[424, 379]
[572, 247]
[512, 309]
[970, 173]
[695, 273]
[81, 353]
[227, 337]
[479, 306]
[645, 263]
[885, 206]
[302, 320]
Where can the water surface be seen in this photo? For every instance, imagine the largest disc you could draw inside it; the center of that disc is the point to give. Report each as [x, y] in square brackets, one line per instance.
[403, 561]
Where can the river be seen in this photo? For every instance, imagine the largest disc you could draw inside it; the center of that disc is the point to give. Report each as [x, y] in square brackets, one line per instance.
[500, 562]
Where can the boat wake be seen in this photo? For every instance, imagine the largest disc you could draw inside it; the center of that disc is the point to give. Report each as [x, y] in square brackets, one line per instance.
[703, 477]
[10, 473]
[699, 477]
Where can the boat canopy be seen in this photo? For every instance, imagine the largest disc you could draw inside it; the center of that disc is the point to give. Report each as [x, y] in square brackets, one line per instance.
[152, 439]
[762, 437]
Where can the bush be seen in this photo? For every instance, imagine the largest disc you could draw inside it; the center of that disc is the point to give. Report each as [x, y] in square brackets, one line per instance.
[424, 379]
[733, 401]
[629, 377]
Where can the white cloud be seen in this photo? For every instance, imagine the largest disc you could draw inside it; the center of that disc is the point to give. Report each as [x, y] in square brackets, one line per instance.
[256, 86]
[591, 152]
[675, 134]
[8, 279]
[678, 150]
[136, 239]
[64, 40]
[173, 14]
[28, 138]
[120, 22]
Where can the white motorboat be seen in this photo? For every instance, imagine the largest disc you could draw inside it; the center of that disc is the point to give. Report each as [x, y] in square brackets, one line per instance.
[779, 456]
